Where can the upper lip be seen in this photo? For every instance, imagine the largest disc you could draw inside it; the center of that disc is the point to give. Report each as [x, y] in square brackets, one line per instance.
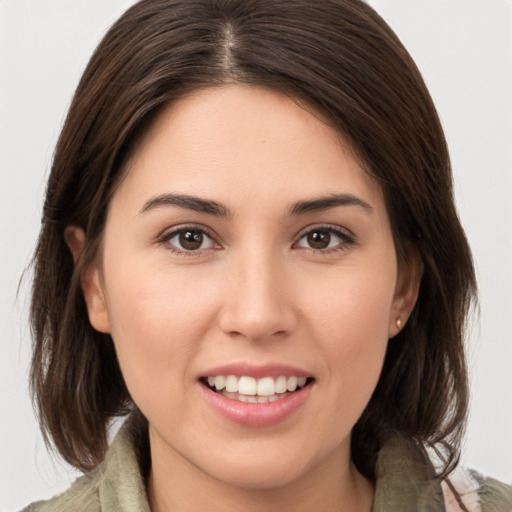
[257, 371]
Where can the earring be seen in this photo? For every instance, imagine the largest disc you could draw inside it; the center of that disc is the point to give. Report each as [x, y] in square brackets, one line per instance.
[399, 323]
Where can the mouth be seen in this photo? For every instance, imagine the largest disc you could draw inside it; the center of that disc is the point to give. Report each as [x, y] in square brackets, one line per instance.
[248, 389]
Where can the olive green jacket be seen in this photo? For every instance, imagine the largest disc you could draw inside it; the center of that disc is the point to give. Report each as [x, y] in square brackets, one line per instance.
[404, 484]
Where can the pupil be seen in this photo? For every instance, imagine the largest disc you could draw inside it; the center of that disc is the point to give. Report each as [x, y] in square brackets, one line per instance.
[191, 240]
[319, 239]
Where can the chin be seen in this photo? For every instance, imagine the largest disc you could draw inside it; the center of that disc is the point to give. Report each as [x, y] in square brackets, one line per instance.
[265, 466]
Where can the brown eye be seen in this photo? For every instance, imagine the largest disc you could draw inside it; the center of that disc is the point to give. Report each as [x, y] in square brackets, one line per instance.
[325, 239]
[191, 240]
[187, 240]
[319, 239]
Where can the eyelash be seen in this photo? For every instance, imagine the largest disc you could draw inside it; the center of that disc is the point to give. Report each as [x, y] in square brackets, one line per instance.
[169, 235]
[346, 240]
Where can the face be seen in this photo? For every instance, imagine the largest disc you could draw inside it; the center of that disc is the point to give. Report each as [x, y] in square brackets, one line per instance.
[247, 248]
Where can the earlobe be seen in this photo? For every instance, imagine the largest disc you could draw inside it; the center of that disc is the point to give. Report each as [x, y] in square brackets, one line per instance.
[406, 292]
[90, 281]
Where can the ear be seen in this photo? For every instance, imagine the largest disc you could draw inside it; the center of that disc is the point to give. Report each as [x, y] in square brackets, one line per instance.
[406, 291]
[90, 281]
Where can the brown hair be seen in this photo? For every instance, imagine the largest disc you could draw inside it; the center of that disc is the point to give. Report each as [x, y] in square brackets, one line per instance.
[343, 60]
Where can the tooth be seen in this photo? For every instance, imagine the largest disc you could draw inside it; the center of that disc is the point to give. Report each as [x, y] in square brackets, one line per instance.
[280, 386]
[263, 399]
[252, 399]
[231, 384]
[247, 386]
[242, 398]
[220, 382]
[291, 383]
[266, 386]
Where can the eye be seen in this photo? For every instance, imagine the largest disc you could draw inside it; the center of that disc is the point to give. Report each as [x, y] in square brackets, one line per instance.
[189, 240]
[321, 239]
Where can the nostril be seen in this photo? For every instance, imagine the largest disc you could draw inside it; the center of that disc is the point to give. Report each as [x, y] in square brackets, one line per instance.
[255, 314]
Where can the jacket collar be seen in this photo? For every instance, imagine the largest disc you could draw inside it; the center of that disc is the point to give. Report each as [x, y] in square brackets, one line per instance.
[405, 477]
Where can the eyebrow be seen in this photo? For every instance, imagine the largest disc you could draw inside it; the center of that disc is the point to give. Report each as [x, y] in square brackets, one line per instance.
[211, 207]
[327, 202]
[187, 202]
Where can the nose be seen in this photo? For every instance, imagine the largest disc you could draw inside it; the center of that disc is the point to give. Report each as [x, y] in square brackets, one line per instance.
[258, 304]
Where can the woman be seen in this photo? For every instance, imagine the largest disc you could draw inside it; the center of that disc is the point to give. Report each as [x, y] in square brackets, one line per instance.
[249, 243]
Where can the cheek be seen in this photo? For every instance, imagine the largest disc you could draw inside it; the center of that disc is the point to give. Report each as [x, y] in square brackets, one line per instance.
[354, 306]
[157, 323]
[349, 322]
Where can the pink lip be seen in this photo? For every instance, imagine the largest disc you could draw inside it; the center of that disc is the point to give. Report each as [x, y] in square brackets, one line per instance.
[255, 415]
[256, 371]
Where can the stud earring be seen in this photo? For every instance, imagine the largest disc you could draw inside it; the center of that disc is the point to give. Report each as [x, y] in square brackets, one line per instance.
[399, 323]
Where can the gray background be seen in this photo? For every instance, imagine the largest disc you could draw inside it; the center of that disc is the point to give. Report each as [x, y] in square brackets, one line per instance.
[464, 49]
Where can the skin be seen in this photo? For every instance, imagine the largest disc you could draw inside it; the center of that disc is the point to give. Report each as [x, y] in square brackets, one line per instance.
[256, 291]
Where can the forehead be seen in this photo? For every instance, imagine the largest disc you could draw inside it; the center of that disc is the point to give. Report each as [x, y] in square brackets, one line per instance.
[233, 138]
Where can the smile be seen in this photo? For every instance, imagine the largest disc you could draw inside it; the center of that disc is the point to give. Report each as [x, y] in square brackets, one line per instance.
[251, 390]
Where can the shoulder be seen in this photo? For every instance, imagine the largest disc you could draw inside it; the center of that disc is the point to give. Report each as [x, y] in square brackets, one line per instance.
[115, 484]
[467, 489]
[406, 480]
[81, 496]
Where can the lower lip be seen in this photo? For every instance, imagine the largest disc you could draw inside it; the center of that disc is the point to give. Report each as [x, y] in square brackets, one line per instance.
[256, 415]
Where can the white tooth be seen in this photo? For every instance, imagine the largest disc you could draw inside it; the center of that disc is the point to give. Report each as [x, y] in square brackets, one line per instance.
[273, 398]
[241, 398]
[280, 385]
[231, 383]
[247, 386]
[211, 381]
[263, 399]
[291, 383]
[220, 382]
[252, 399]
[301, 382]
[266, 386]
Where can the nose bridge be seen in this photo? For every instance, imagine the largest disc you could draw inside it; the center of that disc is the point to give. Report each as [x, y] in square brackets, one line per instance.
[257, 303]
